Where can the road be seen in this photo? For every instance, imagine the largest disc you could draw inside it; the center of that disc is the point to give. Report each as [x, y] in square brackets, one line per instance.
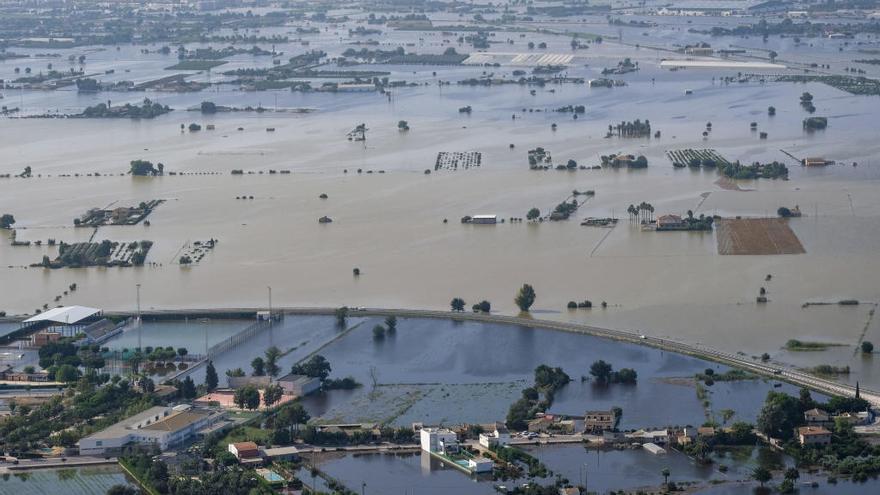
[790, 375]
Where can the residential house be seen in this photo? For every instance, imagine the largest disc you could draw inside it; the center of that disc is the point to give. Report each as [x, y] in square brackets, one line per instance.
[598, 421]
[669, 222]
[499, 436]
[813, 435]
[438, 440]
[817, 417]
[244, 450]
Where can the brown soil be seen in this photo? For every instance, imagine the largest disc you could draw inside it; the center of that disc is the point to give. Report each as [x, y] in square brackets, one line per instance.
[757, 236]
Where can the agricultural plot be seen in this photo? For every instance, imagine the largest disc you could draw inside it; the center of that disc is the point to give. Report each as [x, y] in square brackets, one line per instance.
[104, 253]
[695, 158]
[132, 215]
[744, 236]
[454, 160]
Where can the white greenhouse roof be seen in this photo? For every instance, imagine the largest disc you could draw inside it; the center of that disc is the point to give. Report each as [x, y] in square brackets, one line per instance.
[66, 314]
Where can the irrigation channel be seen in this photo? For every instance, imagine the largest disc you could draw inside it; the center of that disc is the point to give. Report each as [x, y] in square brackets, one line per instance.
[794, 377]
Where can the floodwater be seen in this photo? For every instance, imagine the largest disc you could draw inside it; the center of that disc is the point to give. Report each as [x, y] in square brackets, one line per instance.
[76, 481]
[598, 470]
[391, 225]
[440, 371]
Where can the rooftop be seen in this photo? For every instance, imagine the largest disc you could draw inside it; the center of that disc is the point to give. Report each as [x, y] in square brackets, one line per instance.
[812, 430]
[245, 446]
[296, 378]
[177, 422]
[66, 314]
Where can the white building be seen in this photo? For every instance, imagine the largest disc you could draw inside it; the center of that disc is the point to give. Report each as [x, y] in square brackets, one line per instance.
[438, 440]
[480, 465]
[484, 219]
[299, 385]
[499, 436]
[161, 426]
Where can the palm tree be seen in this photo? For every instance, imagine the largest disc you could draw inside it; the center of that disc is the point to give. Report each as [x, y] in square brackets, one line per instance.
[665, 473]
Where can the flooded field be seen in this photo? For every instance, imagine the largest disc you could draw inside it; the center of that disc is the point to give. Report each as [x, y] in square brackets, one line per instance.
[77, 481]
[391, 224]
[598, 470]
[438, 371]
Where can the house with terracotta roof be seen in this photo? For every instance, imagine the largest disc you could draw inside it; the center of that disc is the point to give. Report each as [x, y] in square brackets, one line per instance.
[813, 435]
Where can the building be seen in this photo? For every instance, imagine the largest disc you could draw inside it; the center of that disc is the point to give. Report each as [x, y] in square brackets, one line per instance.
[11, 375]
[705, 432]
[669, 222]
[299, 385]
[485, 219]
[66, 320]
[699, 50]
[660, 437]
[598, 421]
[281, 453]
[654, 448]
[244, 450]
[354, 87]
[856, 418]
[817, 417]
[499, 436]
[813, 435]
[438, 440]
[237, 382]
[480, 465]
[816, 162]
[158, 426]
[44, 337]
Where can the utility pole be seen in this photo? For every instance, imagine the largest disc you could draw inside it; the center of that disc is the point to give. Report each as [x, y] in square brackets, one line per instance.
[139, 315]
[270, 303]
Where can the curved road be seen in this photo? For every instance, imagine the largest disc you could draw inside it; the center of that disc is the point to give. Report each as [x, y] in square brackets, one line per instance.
[786, 374]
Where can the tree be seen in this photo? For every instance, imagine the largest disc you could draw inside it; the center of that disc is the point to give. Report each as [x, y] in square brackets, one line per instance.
[142, 167]
[187, 388]
[66, 373]
[533, 214]
[792, 473]
[625, 375]
[482, 306]
[525, 297]
[237, 372]
[6, 221]
[391, 324]
[457, 304]
[378, 332]
[601, 371]
[259, 366]
[867, 347]
[272, 394]
[341, 315]
[665, 473]
[761, 475]
[291, 416]
[211, 379]
[780, 415]
[727, 415]
[316, 367]
[146, 385]
[247, 397]
[209, 107]
[272, 355]
[122, 490]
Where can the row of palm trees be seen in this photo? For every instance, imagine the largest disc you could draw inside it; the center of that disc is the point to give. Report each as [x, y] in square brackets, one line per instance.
[644, 212]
